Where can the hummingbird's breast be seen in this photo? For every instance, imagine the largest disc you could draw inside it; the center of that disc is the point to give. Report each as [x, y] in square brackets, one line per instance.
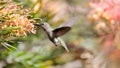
[49, 31]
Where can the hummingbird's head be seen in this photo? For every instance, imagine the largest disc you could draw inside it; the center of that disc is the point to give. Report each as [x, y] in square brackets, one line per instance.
[46, 27]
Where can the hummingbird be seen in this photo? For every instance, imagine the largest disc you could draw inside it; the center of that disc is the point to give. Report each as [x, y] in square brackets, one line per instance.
[54, 34]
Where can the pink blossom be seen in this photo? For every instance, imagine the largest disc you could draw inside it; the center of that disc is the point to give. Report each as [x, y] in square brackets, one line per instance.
[109, 9]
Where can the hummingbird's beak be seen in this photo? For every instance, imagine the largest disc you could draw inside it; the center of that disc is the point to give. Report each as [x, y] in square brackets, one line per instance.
[38, 24]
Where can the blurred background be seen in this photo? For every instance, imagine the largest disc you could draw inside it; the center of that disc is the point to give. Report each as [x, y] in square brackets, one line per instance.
[93, 41]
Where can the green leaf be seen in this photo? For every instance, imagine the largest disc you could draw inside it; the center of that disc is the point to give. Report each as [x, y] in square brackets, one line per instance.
[8, 30]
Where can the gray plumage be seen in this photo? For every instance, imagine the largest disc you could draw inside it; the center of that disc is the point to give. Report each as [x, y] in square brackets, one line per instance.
[54, 34]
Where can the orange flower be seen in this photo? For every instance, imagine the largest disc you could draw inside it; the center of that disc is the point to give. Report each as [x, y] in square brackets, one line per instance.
[22, 22]
[14, 17]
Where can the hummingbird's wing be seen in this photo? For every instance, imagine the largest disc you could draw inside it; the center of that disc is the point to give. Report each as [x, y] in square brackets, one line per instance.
[61, 31]
[65, 27]
[70, 22]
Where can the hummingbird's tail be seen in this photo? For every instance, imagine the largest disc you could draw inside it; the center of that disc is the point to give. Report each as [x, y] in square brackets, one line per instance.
[64, 45]
[66, 48]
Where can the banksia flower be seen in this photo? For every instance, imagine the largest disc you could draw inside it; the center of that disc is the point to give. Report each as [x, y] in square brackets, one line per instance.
[14, 21]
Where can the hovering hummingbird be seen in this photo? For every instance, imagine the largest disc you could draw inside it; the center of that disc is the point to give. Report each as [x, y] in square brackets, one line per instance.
[54, 34]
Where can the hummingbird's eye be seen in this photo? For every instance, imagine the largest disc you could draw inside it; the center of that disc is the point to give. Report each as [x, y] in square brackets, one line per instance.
[44, 24]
